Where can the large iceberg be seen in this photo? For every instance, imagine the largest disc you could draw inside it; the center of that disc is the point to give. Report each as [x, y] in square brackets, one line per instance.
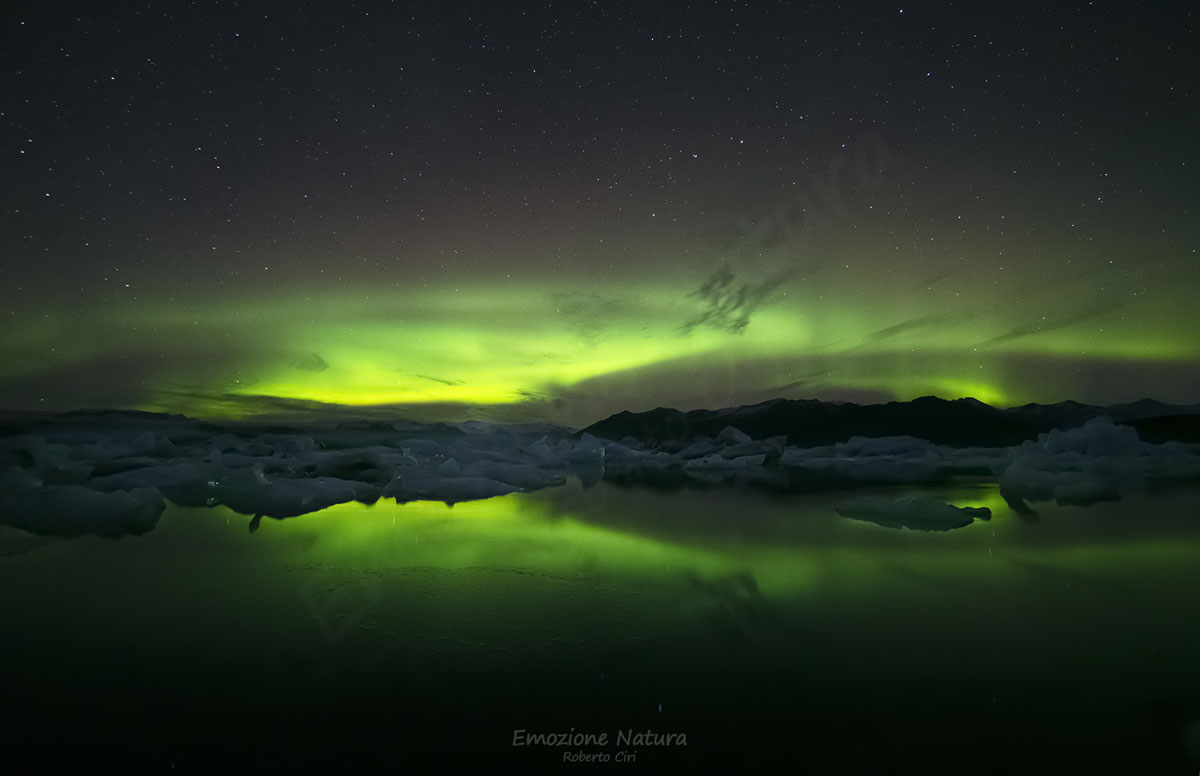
[1091, 463]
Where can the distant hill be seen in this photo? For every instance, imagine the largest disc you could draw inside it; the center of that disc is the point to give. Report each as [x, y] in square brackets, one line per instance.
[958, 422]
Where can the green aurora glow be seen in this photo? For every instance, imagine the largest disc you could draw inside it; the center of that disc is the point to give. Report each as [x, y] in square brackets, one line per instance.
[491, 351]
[509, 239]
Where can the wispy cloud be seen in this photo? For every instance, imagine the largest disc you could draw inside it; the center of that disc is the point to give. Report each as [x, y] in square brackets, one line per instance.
[1044, 325]
[909, 326]
[309, 362]
[442, 380]
[727, 302]
[587, 315]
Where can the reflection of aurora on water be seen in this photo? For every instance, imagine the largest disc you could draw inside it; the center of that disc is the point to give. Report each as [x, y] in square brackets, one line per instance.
[790, 547]
[600, 605]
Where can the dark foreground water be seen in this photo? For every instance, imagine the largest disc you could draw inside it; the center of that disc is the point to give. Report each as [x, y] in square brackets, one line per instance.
[764, 630]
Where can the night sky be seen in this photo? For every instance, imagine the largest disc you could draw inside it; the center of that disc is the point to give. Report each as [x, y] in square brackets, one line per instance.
[554, 212]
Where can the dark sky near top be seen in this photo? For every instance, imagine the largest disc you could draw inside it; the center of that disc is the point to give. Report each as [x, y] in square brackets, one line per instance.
[554, 211]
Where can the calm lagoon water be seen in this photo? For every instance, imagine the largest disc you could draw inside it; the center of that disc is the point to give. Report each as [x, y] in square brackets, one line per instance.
[764, 629]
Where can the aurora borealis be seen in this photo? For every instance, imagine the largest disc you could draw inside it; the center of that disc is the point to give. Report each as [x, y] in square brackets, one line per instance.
[555, 213]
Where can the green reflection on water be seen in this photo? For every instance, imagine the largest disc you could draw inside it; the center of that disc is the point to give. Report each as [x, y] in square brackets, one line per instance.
[791, 547]
[618, 601]
[515, 531]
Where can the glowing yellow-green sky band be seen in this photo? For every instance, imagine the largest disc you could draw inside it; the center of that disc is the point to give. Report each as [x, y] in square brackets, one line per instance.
[572, 354]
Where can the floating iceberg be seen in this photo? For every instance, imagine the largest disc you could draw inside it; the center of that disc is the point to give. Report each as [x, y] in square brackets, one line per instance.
[78, 475]
[68, 510]
[1092, 463]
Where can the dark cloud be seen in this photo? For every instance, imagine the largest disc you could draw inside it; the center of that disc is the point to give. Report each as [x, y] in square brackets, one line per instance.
[938, 278]
[587, 315]
[728, 302]
[203, 403]
[442, 380]
[309, 362]
[541, 358]
[807, 381]
[1051, 324]
[532, 406]
[911, 325]
[895, 331]
[787, 387]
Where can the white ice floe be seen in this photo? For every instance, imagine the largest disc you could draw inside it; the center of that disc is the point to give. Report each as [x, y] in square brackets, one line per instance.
[112, 480]
[1092, 463]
